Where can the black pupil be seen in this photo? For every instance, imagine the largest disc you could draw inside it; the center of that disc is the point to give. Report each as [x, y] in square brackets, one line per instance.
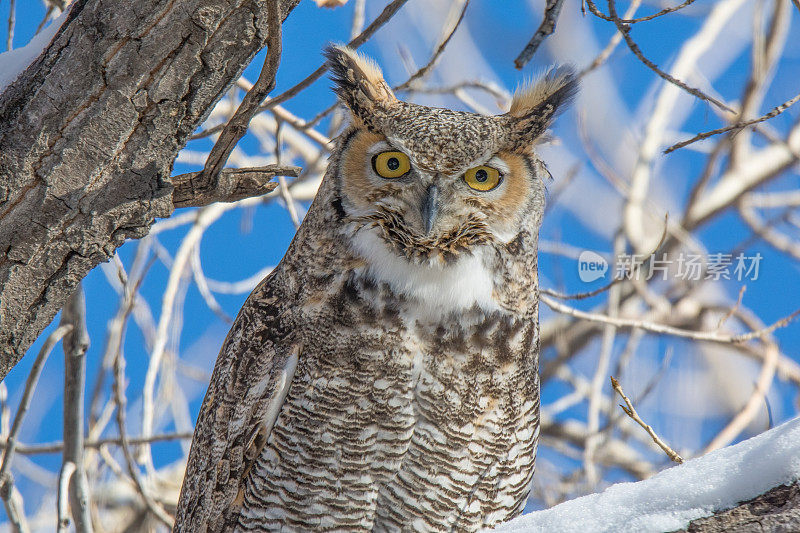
[393, 163]
[481, 176]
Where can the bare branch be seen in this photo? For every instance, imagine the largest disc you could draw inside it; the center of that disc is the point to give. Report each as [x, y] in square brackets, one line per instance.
[283, 188]
[711, 336]
[596, 12]
[551, 11]
[133, 470]
[603, 362]
[775, 238]
[387, 13]
[233, 184]
[612, 44]
[357, 25]
[64, 479]
[27, 395]
[734, 308]
[58, 447]
[425, 69]
[735, 127]
[631, 412]
[12, 13]
[15, 507]
[75, 344]
[11, 497]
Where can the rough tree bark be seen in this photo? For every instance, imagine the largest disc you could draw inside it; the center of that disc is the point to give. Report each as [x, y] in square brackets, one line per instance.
[89, 133]
[776, 510]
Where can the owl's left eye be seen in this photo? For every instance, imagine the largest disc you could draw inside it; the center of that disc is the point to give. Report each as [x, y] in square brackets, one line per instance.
[483, 178]
[391, 164]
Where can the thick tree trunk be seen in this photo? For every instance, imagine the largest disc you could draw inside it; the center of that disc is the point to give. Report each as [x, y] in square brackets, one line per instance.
[776, 510]
[88, 135]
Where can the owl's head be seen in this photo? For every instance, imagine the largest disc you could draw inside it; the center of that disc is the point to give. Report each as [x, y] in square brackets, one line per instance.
[433, 183]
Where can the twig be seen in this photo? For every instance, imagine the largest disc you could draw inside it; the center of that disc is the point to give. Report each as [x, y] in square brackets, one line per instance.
[202, 286]
[11, 497]
[607, 286]
[551, 11]
[614, 453]
[631, 412]
[75, 344]
[118, 324]
[11, 21]
[15, 507]
[115, 348]
[761, 333]
[603, 56]
[205, 182]
[58, 447]
[501, 95]
[379, 21]
[733, 309]
[764, 230]
[46, 17]
[711, 336]
[27, 395]
[581, 295]
[205, 217]
[596, 12]
[119, 395]
[387, 13]
[425, 69]
[735, 127]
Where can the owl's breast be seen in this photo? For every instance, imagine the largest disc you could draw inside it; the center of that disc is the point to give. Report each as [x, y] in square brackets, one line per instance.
[396, 407]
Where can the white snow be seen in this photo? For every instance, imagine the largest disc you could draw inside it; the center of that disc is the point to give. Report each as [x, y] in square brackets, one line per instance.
[14, 62]
[672, 498]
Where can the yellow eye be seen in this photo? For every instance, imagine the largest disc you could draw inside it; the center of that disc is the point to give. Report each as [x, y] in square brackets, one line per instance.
[483, 178]
[391, 164]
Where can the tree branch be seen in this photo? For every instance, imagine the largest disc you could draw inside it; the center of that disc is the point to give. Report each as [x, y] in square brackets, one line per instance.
[232, 184]
[551, 11]
[75, 344]
[205, 181]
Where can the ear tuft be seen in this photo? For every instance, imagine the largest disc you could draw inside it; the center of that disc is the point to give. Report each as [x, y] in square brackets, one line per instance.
[359, 84]
[535, 105]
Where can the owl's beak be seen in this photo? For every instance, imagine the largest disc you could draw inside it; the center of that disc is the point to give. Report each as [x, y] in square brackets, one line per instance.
[430, 208]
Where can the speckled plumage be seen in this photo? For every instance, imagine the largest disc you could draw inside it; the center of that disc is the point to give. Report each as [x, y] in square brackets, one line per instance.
[382, 377]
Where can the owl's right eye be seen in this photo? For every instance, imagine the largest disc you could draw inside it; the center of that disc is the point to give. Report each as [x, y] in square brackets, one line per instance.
[391, 164]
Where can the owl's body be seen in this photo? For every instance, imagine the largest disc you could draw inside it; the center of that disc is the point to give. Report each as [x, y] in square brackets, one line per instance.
[384, 376]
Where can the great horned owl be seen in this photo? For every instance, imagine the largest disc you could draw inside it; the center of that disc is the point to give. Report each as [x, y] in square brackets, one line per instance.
[384, 375]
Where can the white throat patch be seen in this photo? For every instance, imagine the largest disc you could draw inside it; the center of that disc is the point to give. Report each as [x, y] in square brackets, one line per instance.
[439, 289]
